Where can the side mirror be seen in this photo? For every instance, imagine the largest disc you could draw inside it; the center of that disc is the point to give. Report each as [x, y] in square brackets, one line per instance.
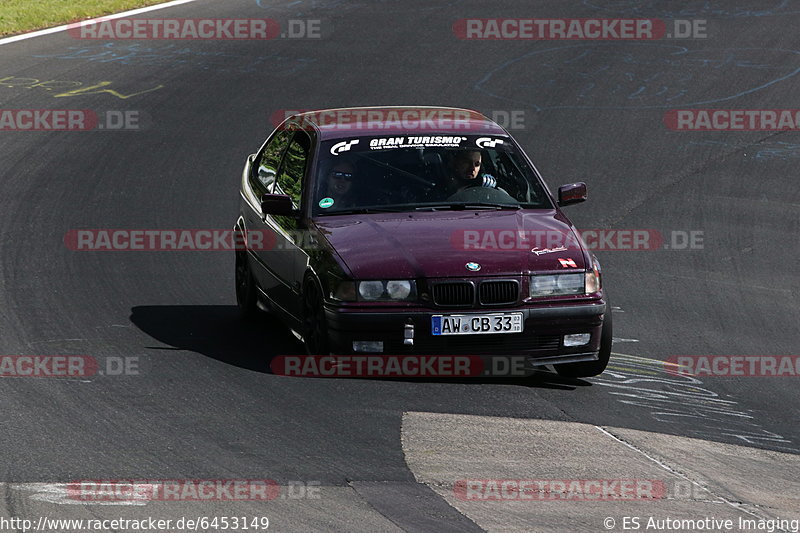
[573, 193]
[278, 205]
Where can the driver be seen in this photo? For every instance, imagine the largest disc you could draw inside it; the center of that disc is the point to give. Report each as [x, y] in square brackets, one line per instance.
[464, 171]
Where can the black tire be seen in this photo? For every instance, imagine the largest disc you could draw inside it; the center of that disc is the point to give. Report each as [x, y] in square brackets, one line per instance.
[592, 368]
[315, 327]
[246, 297]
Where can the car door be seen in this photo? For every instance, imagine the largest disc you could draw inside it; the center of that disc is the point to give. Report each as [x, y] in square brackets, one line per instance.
[261, 181]
[287, 258]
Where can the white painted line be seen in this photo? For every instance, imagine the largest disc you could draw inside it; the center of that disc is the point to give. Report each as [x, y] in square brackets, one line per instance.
[739, 506]
[48, 31]
[59, 494]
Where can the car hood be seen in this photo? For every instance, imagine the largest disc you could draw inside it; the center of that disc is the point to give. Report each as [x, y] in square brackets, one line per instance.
[440, 244]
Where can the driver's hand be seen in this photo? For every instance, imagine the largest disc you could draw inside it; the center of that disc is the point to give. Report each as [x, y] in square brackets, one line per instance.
[489, 181]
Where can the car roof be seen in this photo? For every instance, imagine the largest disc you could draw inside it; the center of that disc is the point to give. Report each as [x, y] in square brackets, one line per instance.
[392, 120]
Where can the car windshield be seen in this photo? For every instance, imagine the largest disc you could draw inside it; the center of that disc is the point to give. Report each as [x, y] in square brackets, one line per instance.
[424, 172]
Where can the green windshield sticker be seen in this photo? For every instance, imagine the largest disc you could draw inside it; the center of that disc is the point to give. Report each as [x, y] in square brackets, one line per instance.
[325, 203]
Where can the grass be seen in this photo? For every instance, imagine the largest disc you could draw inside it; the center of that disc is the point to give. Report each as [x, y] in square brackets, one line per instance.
[20, 16]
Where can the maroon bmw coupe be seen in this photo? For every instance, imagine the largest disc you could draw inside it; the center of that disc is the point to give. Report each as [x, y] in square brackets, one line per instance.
[400, 230]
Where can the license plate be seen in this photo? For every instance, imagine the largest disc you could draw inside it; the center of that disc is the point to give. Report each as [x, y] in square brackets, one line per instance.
[476, 324]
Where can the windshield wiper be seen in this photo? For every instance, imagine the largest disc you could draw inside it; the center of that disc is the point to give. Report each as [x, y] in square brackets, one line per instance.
[364, 211]
[468, 206]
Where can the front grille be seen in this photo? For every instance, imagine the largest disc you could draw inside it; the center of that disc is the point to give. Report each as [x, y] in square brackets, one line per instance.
[454, 293]
[499, 292]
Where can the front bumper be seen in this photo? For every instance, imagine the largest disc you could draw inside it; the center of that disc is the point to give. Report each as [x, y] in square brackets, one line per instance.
[541, 341]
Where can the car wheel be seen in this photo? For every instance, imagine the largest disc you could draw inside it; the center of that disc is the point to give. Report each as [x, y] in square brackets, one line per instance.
[592, 368]
[315, 327]
[245, 287]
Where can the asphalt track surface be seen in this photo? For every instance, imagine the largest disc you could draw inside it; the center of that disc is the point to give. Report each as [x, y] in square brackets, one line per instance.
[204, 404]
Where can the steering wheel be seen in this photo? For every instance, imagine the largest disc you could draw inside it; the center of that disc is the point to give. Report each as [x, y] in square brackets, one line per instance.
[482, 194]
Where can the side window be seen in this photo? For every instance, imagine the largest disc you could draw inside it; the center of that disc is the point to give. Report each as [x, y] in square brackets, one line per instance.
[266, 166]
[290, 175]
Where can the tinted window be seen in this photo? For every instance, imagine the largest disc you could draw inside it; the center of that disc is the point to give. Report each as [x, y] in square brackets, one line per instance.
[293, 168]
[266, 166]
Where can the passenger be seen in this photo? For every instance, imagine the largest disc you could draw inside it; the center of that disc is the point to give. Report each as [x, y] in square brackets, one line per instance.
[340, 184]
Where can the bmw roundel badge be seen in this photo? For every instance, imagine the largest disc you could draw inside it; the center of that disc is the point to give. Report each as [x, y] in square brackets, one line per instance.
[473, 267]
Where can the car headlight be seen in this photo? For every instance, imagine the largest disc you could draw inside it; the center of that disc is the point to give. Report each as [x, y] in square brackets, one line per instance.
[371, 290]
[398, 289]
[557, 284]
[386, 290]
[345, 291]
